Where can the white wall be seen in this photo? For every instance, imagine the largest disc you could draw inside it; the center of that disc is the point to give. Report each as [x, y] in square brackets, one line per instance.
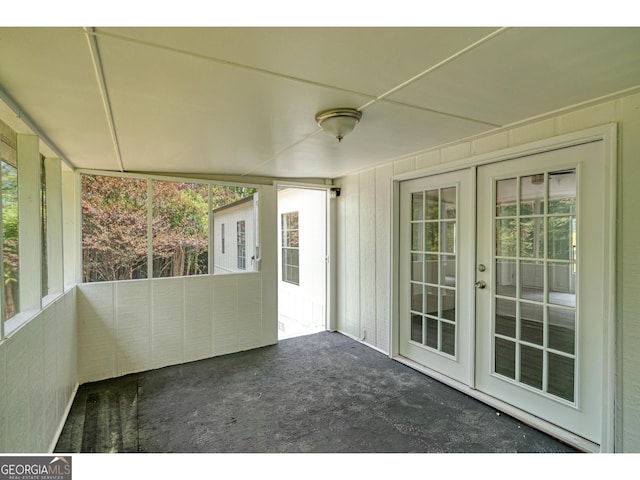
[38, 378]
[132, 326]
[305, 303]
[364, 233]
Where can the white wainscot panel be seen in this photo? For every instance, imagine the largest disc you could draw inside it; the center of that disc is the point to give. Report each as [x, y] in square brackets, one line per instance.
[52, 411]
[96, 331]
[168, 321]
[225, 311]
[133, 328]
[16, 401]
[249, 311]
[34, 429]
[68, 348]
[198, 318]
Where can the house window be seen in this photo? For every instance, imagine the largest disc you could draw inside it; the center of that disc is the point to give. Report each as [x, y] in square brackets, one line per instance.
[242, 250]
[290, 248]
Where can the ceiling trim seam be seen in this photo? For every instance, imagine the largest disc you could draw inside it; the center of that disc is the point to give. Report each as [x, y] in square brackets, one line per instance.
[96, 33]
[20, 113]
[104, 93]
[442, 63]
[438, 112]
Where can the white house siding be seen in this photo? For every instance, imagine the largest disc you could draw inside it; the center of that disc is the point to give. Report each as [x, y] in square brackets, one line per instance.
[38, 378]
[362, 211]
[305, 303]
[137, 325]
[227, 262]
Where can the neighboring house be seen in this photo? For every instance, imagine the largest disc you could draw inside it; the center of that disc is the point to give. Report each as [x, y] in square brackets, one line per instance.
[235, 236]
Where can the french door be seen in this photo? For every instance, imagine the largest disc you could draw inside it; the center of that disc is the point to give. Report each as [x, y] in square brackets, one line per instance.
[437, 236]
[542, 252]
[526, 245]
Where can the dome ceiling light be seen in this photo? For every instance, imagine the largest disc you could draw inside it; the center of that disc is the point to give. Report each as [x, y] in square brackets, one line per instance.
[339, 122]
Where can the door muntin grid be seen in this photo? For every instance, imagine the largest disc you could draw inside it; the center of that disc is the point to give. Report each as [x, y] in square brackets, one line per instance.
[434, 238]
[535, 274]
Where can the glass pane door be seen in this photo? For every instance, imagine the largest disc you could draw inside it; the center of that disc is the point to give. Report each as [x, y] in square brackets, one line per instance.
[433, 267]
[543, 272]
[535, 281]
[436, 273]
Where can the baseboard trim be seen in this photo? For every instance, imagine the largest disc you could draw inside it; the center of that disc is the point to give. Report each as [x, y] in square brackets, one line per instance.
[63, 420]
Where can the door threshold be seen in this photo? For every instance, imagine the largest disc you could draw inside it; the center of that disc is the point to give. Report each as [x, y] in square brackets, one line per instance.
[531, 420]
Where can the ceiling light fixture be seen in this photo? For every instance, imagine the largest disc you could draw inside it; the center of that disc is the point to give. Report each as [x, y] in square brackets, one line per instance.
[339, 122]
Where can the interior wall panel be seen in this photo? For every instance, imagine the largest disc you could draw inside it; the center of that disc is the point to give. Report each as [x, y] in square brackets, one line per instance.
[97, 332]
[133, 326]
[167, 303]
[38, 376]
[36, 399]
[249, 294]
[225, 314]
[50, 375]
[198, 318]
[367, 235]
[351, 192]
[383, 256]
[68, 361]
[17, 399]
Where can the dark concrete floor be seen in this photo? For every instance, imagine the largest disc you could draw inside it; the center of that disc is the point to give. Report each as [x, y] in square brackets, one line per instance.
[317, 393]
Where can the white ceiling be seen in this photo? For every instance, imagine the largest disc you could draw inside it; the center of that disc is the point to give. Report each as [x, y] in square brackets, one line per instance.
[242, 101]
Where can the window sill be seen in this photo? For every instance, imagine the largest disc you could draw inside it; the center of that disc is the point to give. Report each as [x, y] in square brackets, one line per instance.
[18, 321]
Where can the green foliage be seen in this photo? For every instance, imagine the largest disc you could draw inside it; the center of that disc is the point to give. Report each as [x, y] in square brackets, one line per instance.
[114, 226]
[10, 237]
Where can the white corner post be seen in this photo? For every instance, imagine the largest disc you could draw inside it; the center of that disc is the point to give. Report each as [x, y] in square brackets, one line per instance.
[29, 227]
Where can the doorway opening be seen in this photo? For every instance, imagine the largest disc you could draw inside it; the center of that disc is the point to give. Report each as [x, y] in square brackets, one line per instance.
[302, 261]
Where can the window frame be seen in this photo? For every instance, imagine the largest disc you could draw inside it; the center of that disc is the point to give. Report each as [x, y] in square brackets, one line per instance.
[287, 247]
[211, 183]
[241, 242]
[222, 238]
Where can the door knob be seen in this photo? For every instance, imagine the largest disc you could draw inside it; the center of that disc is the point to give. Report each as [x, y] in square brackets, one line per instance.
[481, 284]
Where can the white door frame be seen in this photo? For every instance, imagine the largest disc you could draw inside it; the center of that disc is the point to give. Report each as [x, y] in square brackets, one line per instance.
[606, 133]
[330, 321]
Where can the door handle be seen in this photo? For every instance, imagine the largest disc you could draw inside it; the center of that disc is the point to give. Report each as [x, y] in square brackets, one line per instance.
[481, 284]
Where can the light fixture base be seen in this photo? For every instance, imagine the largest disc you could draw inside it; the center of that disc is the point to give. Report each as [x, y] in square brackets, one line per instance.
[339, 122]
